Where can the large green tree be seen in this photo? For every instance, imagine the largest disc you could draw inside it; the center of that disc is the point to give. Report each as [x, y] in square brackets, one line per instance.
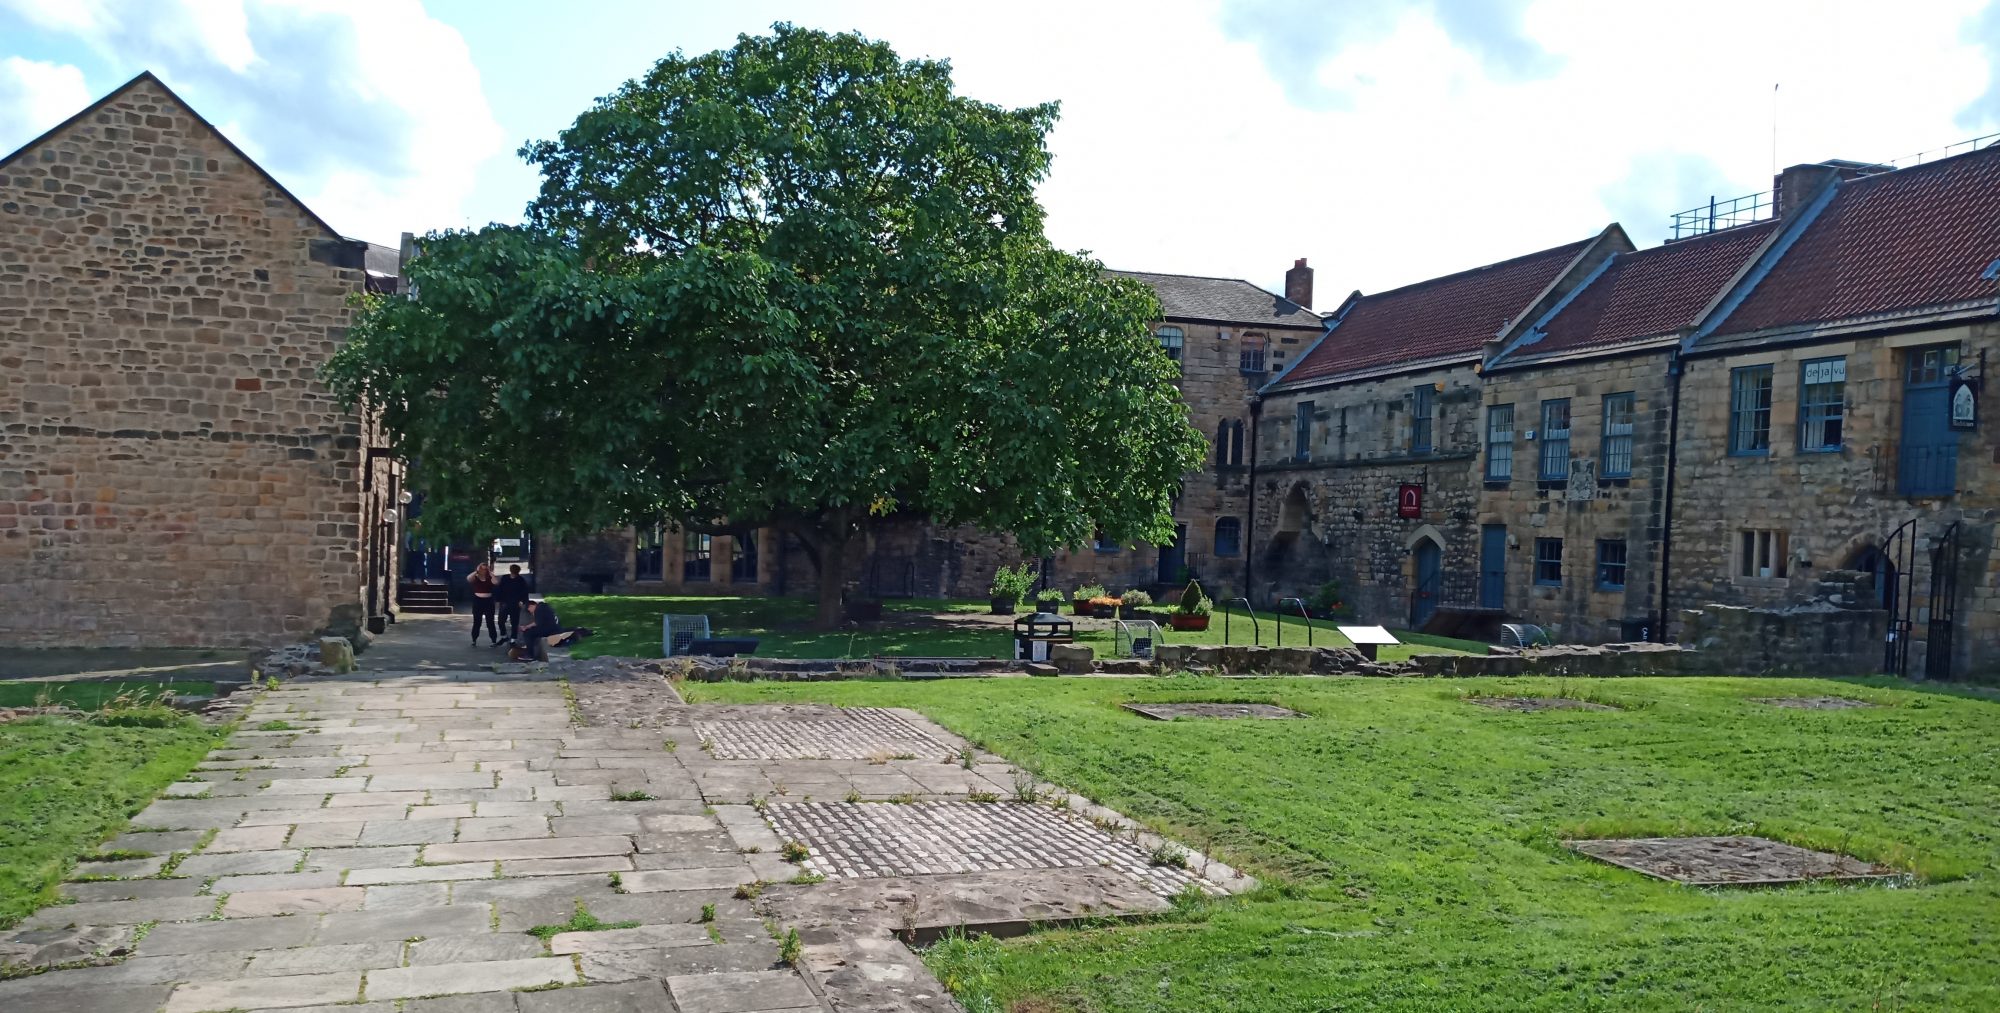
[796, 283]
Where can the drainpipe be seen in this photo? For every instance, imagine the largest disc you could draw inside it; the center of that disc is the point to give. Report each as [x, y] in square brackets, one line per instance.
[1250, 522]
[1674, 373]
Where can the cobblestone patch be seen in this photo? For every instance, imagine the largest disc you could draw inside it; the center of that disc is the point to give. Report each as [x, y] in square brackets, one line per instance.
[1813, 703]
[855, 734]
[1726, 861]
[1532, 704]
[1171, 711]
[878, 839]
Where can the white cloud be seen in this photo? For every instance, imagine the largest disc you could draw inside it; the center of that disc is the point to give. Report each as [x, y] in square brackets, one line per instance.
[35, 96]
[369, 110]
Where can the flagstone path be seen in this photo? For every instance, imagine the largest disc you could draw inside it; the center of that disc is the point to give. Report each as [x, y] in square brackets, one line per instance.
[391, 849]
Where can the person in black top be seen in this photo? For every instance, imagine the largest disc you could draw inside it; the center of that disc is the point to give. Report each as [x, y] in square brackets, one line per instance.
[543, 632]
[511, 593]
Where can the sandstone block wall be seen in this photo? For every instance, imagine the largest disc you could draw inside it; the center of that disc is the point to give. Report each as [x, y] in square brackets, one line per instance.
[1589, 507]
[171, 470]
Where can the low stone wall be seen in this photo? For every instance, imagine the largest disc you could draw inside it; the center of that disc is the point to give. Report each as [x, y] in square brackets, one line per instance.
[1818, 638]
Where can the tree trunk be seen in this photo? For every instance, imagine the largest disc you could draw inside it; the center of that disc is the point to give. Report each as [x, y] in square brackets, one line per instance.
[830, 561]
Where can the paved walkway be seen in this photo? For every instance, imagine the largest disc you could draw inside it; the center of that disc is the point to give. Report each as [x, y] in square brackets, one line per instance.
[390, 846]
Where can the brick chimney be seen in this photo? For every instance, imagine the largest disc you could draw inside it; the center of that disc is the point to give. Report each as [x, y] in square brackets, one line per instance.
[1797, 185]
[1299, 283]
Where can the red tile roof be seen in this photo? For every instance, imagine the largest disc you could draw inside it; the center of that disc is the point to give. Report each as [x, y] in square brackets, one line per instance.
[1449, 316]
[1648, 293]
[1904, 240]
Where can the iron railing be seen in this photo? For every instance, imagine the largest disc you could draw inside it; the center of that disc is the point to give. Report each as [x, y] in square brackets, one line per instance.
[1278, 618]
[1724, 214]
[1256, 629]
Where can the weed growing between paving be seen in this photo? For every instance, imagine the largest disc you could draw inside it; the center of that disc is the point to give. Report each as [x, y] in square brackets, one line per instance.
[1408, 843]
[581, 921]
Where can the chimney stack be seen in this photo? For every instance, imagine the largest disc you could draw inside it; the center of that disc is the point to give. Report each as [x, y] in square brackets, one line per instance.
[1299, 283]
[1792, 188]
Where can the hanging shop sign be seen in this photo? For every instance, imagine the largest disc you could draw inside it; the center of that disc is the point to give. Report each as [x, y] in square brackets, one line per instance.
[1410, 501]
[1964, 403]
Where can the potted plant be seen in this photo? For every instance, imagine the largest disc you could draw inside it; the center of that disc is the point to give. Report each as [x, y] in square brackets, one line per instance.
[1011, 585]
[1327, 602]
[1192, 613]
[1049, 601]
[1131, 602]
[1105, 606]
[1079, 599]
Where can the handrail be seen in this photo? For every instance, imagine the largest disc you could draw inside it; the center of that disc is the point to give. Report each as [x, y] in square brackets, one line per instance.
[1256, 630]
[1278, 617]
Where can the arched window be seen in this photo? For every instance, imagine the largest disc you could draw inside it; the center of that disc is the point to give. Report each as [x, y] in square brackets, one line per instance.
[1171, 340]
[1228, 536]
[1229, 443]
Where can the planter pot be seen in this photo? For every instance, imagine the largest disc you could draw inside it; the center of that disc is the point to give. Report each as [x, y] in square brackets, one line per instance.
[1003, 606]
[1131, 612]
[867, 611]
[1189, 623]
[1104, 611]
[1081, 608]
[1052, 607]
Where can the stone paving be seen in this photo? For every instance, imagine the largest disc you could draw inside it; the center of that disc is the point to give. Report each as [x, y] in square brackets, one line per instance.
[388, 848]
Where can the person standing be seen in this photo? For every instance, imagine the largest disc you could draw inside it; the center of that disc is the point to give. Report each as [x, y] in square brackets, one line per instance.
[511, 593]
[482, 585]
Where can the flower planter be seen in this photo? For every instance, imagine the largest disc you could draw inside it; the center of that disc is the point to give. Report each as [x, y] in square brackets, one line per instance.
[1003, 606]
[1051, 606]
[1131, 612]
[1104, 611]
[1189, 623]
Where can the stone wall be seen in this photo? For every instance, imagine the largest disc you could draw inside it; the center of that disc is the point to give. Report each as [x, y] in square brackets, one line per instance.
[1334, 516]
[1834, 508]
[1587, 508]
[172, 472]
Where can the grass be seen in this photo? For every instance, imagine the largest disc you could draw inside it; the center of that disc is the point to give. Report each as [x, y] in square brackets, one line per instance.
[1409, 844]
[66, 785]
[629, 626]
[581, 921]
[93, 695]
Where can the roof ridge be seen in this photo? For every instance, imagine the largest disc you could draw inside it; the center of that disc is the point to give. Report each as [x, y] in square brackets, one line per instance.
[1483, 267]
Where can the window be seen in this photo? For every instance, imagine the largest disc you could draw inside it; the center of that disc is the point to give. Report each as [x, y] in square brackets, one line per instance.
[1250, 354]
[1101, 543]
[1228, 536]
[1171, 340]
[1500, 443]
[1750, 410]
[743, 566]
[1932, 365]
[647, 550]
[1615, 456]
[1555, 440]
[1549, 562]
[1611, 564]
[695, 554]
[1762, 553]
[1423, 405]
[1229, 443]
[1302, 431]
[1822, 403]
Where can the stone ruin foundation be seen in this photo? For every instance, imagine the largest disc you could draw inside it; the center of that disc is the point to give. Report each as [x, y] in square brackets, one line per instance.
[1727, 861]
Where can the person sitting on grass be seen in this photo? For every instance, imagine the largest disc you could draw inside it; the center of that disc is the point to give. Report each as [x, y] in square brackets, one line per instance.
[543, 631]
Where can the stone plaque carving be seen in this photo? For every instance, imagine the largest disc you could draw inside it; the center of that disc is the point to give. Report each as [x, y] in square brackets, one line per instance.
[1582, 480]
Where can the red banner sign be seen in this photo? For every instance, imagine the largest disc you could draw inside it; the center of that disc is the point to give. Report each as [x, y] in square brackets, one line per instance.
[1410, 501]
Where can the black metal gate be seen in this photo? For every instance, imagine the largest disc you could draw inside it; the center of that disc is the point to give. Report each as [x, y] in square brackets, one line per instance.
[1944, 604]
[1893, 576]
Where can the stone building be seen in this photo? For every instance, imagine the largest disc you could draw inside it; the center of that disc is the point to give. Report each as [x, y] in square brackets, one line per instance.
[1228, 335]
[172, 472]
[1574, 438]
[1830, 409]
[1368, 446]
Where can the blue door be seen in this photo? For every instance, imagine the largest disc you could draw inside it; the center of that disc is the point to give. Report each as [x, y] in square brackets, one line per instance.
[1430, 575]
[1927, 456]
[1173, 558]
[1493, 566]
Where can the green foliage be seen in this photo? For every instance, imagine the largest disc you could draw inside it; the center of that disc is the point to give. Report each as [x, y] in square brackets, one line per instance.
[1193, 602]
[1136, 598]
[1438, 882]
[790, 948]
[581, 921]
[1087, 592]
[1012, 583]
[1328, 597]
[796, 282]
[1050, 594]
[67, 785]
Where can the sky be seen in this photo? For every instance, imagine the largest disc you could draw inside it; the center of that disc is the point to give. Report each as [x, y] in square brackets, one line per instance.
[1387, 141]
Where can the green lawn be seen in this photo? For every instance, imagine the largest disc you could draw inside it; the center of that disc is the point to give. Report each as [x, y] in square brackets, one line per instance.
[92, 695]
[1409, 843]
[629, 626]
[66, 785]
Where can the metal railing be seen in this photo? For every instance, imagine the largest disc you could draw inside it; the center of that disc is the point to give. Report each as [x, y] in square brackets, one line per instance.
[1954, 148]
[1278, 618]
[1256, 630]
[1724, 214]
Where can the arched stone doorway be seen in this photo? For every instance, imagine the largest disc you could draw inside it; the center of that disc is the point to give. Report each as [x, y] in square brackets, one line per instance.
[1426, 579]
[1292, 513]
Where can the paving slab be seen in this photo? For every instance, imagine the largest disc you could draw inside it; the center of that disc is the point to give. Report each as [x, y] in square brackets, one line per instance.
[371, 926]
[476, 976]
[274, 993]
[473, 948]
[645, 937]
[291, 902]
[740, 992]
[500, 851]
[235, 934]
[626, 997]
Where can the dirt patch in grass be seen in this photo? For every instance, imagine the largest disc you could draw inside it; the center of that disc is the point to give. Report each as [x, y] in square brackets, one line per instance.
[1727, 861]
[1531, 704]
[1173, 711]
[1813, 703]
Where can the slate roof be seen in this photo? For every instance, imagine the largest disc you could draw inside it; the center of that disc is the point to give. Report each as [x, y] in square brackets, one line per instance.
[1646, 293]
[1913, 239]
[1450, 316]
[1224, 300]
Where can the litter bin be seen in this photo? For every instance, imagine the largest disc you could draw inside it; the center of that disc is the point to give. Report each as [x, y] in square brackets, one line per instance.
[1034, 633]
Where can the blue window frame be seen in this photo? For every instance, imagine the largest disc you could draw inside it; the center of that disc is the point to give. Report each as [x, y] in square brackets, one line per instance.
[1750, 410]
[1500, 443]
[1228, 536]
[1822, 404]
[1615, 453]
[1555, 440]
[1611, 564]
[1549, 562]
[1423, 408]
